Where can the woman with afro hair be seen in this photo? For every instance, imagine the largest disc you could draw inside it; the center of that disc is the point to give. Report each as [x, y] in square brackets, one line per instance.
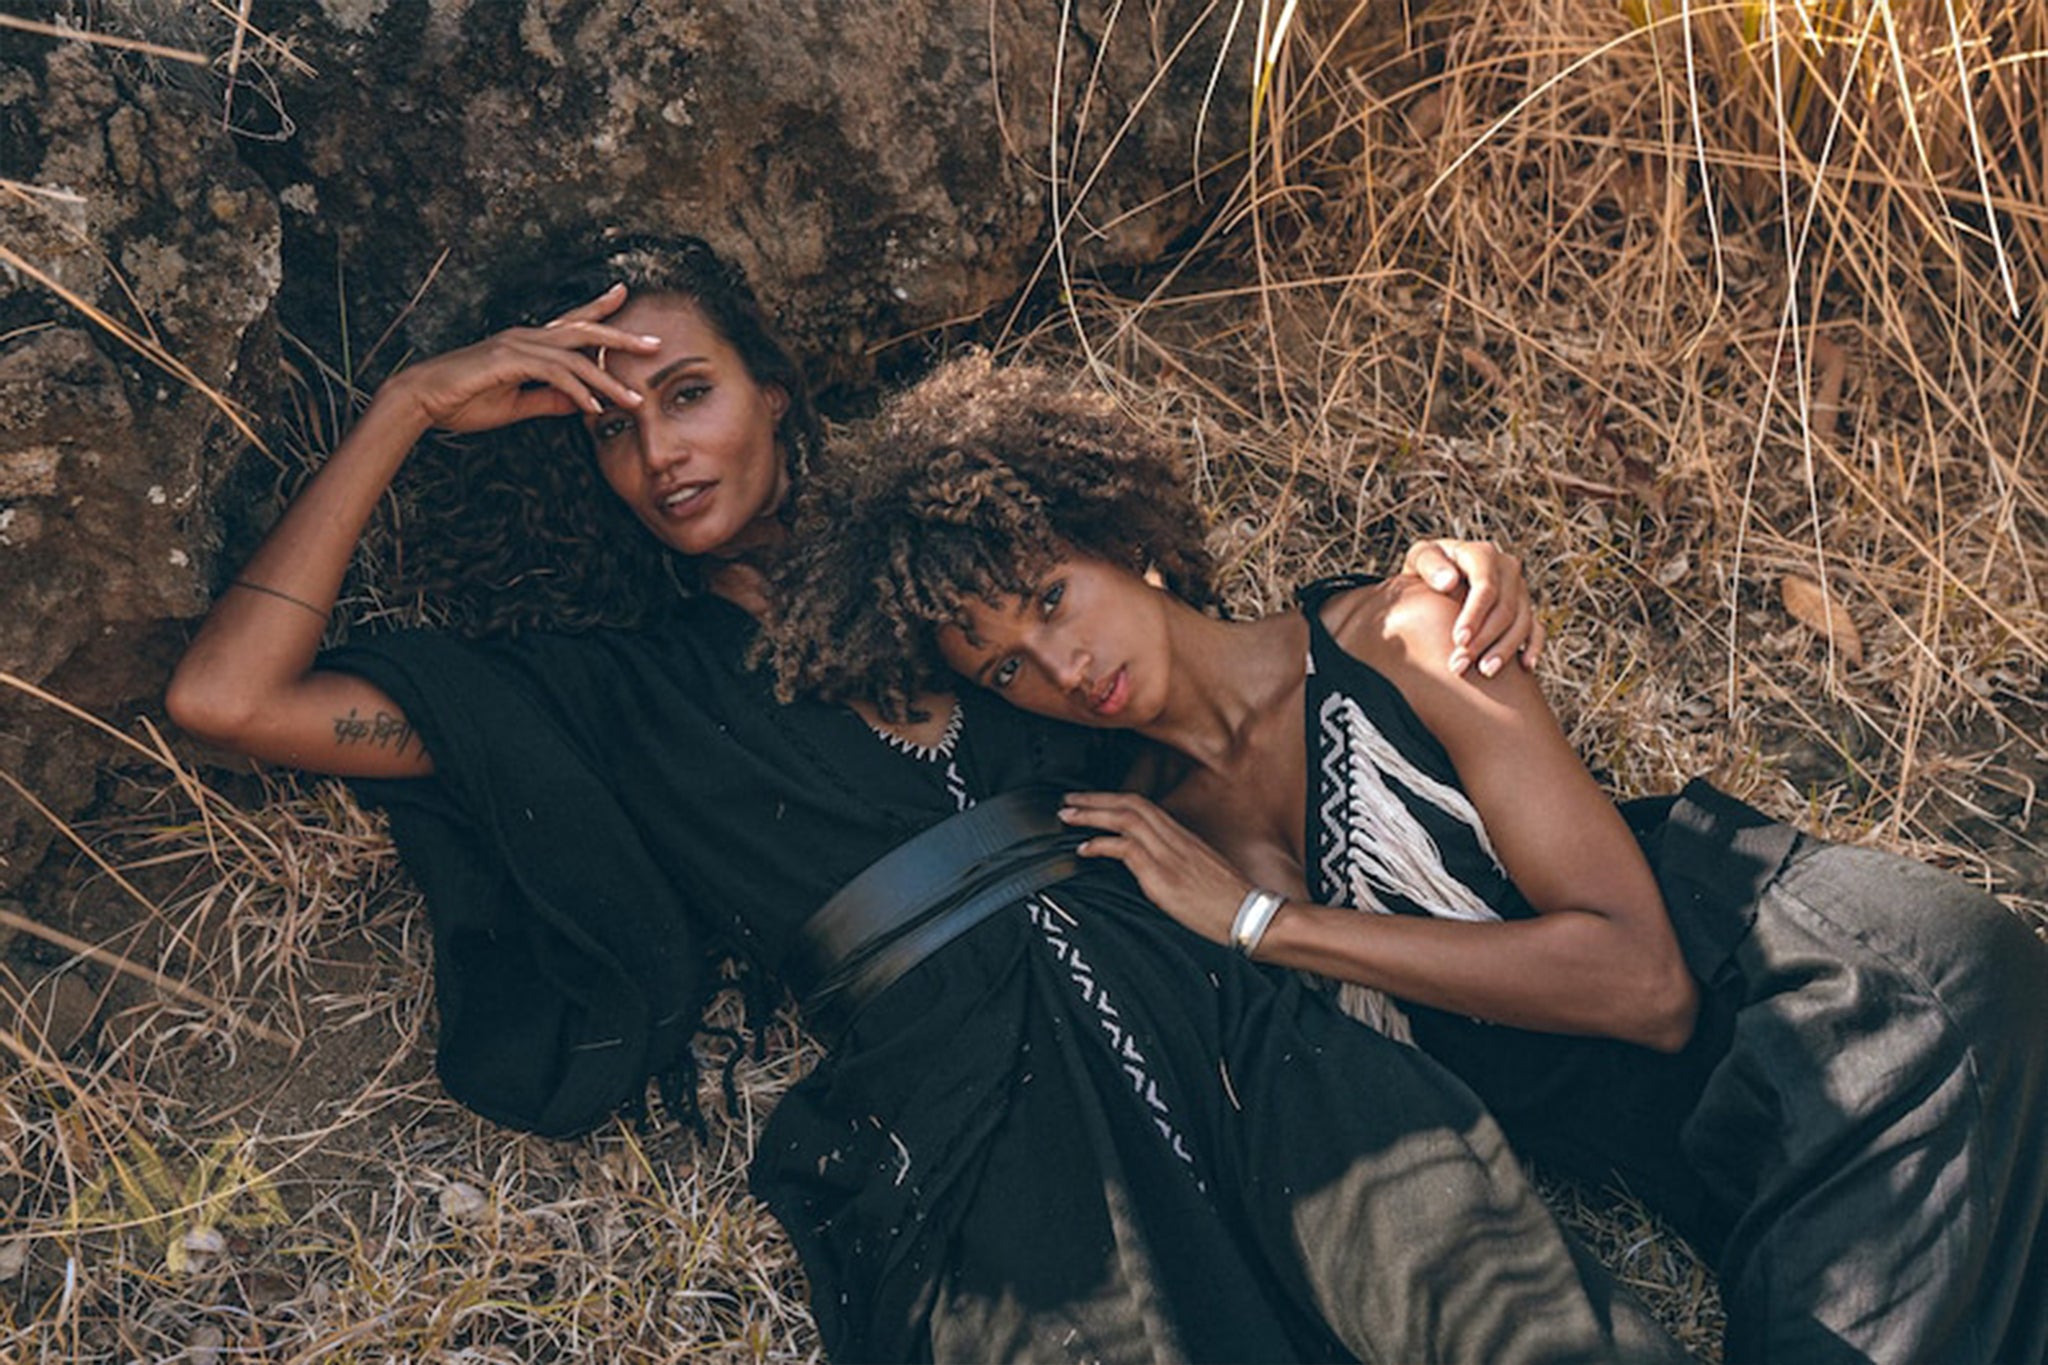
[1828, 1065]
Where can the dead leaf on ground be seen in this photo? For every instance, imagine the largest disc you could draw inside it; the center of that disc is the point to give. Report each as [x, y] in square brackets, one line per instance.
[1809, 606]
[1639, 477]
[1425, 115]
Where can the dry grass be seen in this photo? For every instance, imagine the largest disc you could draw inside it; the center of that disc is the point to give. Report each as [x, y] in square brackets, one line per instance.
[175, 1185]
[1554, 275]
[1681, 301]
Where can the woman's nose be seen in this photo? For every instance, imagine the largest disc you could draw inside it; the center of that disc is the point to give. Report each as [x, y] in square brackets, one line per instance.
[659, 449]
[1070, 666]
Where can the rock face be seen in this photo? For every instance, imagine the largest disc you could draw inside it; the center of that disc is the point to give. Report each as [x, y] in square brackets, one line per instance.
[880, 167]
[109, 464]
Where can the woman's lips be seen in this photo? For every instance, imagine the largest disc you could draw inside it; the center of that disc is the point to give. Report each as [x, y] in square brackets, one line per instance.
[684, 501]
[1109, 698]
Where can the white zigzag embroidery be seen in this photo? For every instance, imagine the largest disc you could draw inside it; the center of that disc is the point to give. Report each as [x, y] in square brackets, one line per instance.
[929, 753]
[955, 780]
[1143, 1085]
[1373, 843]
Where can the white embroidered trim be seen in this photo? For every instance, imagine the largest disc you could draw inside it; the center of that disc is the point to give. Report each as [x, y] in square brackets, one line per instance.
[1123, 1044]
[1376, 1010]
[930, 753]
[1373, 843]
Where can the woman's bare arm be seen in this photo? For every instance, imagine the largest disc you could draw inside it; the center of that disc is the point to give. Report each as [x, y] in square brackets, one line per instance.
[247, 681]
[1599, 958]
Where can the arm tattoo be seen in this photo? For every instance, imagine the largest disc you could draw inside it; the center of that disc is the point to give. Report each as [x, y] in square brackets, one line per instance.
[384, 730]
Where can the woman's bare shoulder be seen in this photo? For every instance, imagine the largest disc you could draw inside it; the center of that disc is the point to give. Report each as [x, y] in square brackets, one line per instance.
[1392, 620]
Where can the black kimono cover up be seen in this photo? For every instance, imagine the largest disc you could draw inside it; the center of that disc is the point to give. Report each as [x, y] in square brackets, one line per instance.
[1077, 1132]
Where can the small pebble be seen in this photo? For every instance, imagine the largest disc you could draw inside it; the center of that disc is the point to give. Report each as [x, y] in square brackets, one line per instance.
[204, 1240]
[13, 1256]
[462, 1202]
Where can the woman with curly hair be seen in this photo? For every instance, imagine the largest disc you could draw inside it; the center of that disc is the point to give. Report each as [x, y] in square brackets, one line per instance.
[1829, 1066]
[1052, 1124]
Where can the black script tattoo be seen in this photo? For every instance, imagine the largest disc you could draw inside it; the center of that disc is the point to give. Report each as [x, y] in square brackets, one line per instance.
[384, 730]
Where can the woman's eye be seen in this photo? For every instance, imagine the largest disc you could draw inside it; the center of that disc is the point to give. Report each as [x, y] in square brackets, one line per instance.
[1005, 674]
[683, 395]
[1049, 600]
[609, 429]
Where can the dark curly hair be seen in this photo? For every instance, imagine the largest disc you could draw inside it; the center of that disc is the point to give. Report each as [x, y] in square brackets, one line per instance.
[515, 528]
[967, 485]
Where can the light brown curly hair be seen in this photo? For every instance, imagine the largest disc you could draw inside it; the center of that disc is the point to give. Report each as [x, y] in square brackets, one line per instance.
[967, 485]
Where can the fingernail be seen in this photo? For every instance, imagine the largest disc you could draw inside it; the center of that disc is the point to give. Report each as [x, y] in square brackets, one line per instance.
[1442, 578]
[650, 341]
[1460, 661]
[1491, 666]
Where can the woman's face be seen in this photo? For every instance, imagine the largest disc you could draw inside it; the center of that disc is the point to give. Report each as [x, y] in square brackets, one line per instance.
[1088, 644]
[697, 461]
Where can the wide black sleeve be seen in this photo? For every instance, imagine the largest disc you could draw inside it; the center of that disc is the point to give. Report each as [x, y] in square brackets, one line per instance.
[567, 969]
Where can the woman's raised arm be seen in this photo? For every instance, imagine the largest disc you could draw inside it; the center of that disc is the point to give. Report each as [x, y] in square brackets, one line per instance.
[247, 681]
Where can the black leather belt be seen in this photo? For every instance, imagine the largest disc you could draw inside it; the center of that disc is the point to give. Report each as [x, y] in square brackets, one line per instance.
[928, 892]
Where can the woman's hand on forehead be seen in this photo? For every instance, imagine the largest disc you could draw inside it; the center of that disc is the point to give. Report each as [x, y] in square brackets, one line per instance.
[526, 372]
